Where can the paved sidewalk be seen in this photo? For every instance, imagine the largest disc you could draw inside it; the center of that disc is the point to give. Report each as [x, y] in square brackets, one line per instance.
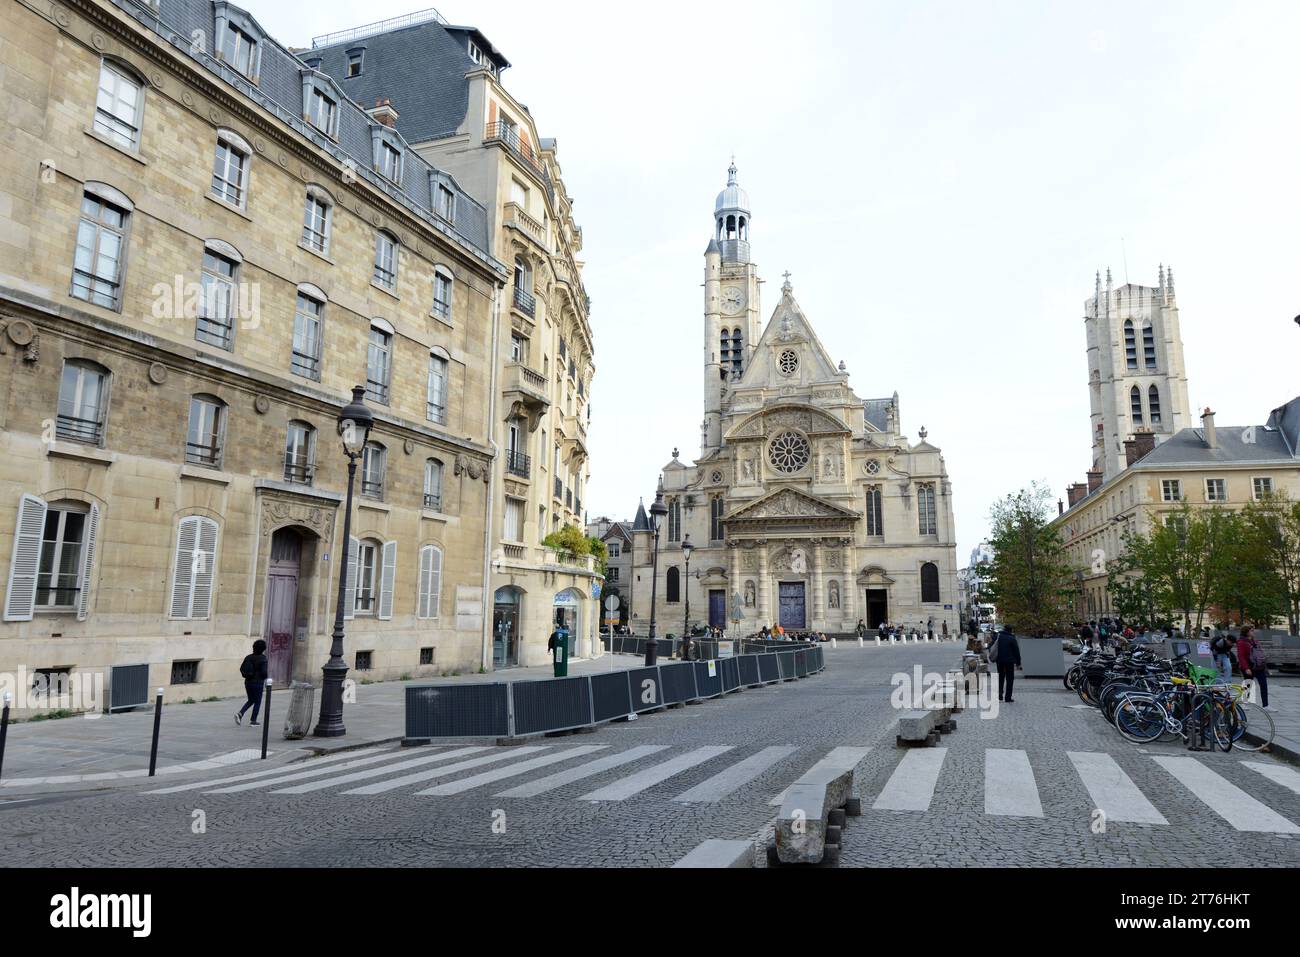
[1284, 707]
[99, 750]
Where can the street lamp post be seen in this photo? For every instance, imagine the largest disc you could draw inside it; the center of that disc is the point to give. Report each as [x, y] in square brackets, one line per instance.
[687, 548]
[355, 422]
[657, 512]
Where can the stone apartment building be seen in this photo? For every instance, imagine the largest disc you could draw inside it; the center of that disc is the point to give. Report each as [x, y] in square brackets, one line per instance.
[443, 86]
[205, 243]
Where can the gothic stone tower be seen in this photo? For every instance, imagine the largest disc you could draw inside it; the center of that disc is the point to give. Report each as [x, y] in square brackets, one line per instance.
[732, 306]
[1136, 377]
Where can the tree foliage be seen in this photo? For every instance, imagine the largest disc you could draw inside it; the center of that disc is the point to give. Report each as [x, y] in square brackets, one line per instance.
[1274, 537]
[1029, 578]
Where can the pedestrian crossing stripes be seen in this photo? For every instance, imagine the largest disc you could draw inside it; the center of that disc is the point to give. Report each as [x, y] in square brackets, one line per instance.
[1014, 783]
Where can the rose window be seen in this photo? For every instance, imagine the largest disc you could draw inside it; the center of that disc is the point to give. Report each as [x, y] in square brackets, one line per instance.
[716, 478]
[788, 363]
[873, 467]
[789, 453]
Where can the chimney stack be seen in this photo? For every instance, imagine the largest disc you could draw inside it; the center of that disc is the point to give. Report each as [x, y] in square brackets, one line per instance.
[1144, 443]
[1076, 493]
[1130, 451]
[1207, 424]
[384, 113]
[1094, 480]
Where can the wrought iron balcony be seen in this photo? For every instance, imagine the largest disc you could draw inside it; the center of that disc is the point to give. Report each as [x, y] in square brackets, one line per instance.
[298, 470]
[559, 489]
[517, 463]
[508, 136]
[208, 456]
[74, 429]
[433, 502]
[525, 303]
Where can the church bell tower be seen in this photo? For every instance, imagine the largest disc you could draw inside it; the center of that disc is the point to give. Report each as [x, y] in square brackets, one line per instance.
[731, 306]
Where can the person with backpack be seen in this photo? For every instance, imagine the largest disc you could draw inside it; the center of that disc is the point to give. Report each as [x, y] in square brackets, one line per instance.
[254, 669]
[1253, 663]
[1222, 648]
[1005, 650]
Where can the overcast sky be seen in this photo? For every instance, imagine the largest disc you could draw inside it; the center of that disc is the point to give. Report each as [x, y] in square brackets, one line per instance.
[941, 179]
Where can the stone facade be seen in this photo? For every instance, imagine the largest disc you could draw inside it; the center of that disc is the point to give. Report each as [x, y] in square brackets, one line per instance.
[142, 585]
[545, 351]
[808, 506]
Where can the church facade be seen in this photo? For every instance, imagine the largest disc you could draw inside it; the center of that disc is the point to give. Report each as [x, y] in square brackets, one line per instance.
[807, 507]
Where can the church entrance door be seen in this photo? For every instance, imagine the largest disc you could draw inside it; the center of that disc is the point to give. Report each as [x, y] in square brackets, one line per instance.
[793, 615]
[718, 609]
[877, 607]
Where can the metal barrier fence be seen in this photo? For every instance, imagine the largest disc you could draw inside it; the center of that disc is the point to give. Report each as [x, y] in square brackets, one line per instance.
[513, 709]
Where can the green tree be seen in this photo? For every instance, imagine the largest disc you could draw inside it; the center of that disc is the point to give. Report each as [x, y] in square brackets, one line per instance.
[569, 541]
[1274, 522]
[1029, 577]
[1134, 593]
[1185, 560]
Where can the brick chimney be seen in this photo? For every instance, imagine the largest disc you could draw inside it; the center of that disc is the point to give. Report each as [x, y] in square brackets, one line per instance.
[384, 113]
[1094, 480]
[1076, 493]
[1130, 451]
[1207, 425]
[1144, 443]
[1060, 507]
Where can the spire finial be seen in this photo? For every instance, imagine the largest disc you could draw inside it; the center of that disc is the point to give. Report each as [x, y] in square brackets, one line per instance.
[731, 171]
[787, 287]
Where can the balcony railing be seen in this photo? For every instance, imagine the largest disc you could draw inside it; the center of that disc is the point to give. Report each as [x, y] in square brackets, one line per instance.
[298, 471]
[433, 502]
[436, 413]
[208, 456]
[568, 499]
[515, 216]
[525, 303]
[559, 489]
[509, 136]
[577, 506]
[517, 463]
[79, 430]
[372, 489]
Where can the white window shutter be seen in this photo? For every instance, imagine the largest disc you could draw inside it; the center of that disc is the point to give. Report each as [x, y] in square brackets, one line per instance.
[204, 565]
[435, 580]
[20, 599]
[183, 577]
[426, 570]
[88, 563]
[387, 578]
[350, 592]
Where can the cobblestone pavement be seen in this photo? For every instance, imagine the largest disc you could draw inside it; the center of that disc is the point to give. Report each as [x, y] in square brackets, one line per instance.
[1017, 790]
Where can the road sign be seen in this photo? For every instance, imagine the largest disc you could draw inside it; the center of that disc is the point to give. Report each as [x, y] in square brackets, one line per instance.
[612, 603]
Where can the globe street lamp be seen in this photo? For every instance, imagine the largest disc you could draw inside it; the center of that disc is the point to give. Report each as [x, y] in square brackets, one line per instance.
[355, 422]
[657, 512]
[687, 548]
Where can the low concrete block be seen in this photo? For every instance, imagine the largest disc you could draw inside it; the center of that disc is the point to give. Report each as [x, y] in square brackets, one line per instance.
[916, 725]
[716, 853]
[801, 826]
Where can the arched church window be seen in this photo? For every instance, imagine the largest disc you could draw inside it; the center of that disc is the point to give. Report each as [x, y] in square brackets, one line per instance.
[926, 512]
[744, 228]
[1135, 404]
[1149, 345]
[731, 227]
[1153, 405]
[1130, 345]
[929, 583]
[789, 453]
[715, 517]
[674, 585]
[736, 348]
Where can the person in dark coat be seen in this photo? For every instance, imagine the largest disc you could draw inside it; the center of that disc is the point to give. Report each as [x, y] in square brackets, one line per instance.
[1008, 660]
[254, 670]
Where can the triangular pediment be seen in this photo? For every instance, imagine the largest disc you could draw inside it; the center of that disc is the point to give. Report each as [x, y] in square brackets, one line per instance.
[789, 353]
[790, 504]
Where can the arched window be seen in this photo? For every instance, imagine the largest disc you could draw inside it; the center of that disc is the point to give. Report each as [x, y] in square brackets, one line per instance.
[196, 553]
[875, 514]
[929, 583]
[674, 585]
[731, 227]
[1135, 404]
[99, 264]
[230, 168]
[379, 361]
[926, 510]
[715, 519]
[724, 350]
[83, 402]
[431, 582]
[318, 213]
[737, 352]
[206, 434]
[1153, 404]
[433, 485]
[219, 299]
[308, 319]
[523, 276]
[372, 470]
[118, 104]
[1130, 345]
[1149, 345]
[300, 453]
[744, 228]
[385, 274]
[674, 521]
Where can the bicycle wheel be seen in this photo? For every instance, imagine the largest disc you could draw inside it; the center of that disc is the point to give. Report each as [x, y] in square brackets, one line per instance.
[1258, 722]
[1140, 721]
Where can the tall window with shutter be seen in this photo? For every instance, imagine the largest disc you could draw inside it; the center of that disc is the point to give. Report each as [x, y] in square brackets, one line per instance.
[387, 580]
[195, 568]
[430, 582]
[53, 559]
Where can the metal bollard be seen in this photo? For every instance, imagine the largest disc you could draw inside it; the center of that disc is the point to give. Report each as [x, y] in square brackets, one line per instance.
[266, 718]
[157, 726]
[4, 729]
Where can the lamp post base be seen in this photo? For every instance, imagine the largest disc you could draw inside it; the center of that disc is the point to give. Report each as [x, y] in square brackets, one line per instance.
[651, 651]
[330, 724]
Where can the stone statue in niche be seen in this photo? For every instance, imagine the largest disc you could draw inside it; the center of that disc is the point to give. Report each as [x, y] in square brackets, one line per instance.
[831, 465]
[835, 595]
[799, 562]
[747, 469]
[749, 594]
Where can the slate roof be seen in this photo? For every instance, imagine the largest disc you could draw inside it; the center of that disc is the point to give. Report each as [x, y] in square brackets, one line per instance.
[878, 412]
[642, 523]
[279, 90]
[420, 68]
[1187, 448]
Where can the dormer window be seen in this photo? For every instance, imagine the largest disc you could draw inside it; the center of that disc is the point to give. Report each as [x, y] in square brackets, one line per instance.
[387, 149]
[446, 204]
[322, 112]
[356, 58]
[390, 162]
[238, 40]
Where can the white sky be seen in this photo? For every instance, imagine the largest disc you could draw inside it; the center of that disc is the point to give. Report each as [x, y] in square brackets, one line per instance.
[942, 180]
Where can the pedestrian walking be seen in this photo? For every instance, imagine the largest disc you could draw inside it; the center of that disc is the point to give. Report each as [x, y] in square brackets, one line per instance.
[1223, 647]
[1006, 652]
[929, 629]
[945, 631]
[254, 669]
[1252, 662]
[862, 628]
